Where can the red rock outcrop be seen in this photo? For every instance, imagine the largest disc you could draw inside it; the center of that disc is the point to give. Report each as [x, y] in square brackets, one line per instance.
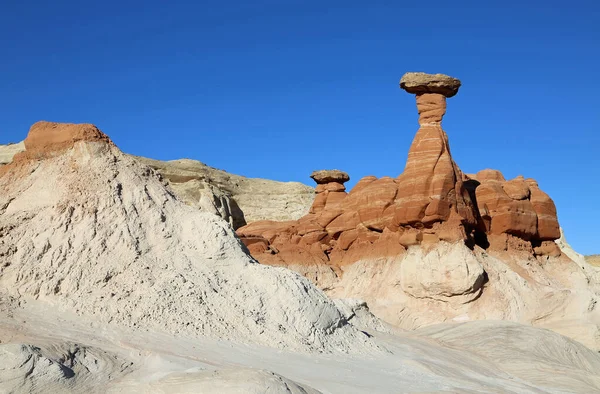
[431, 188]
[48, 139]
[518, 208]
[330, 189]
[431, 201]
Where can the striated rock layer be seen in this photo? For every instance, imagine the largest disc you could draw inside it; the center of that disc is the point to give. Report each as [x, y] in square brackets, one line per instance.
[433, 238]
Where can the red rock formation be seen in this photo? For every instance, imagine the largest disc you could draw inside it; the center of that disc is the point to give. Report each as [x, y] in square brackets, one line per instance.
[516, 207]
[330, 189]
[430, 188]
[48, 139]
[431, 201]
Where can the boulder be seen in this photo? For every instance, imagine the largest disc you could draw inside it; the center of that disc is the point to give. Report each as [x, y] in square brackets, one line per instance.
[447, 273]
[419, 83]
[327, 176]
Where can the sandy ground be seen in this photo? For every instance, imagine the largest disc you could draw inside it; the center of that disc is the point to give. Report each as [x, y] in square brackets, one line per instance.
[477, 357]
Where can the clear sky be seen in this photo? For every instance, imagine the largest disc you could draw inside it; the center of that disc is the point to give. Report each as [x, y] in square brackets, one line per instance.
[277, 89]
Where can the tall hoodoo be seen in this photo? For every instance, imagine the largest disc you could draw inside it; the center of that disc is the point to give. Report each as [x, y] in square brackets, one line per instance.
[430, 189]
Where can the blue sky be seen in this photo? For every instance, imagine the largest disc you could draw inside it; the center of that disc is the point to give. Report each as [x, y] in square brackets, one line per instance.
[277, 89]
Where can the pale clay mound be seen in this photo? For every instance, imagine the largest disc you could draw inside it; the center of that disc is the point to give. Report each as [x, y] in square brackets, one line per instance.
[74, 369]
[95, 231]
[237, 199]
[525, 353]
[451, 283]
[60, 368]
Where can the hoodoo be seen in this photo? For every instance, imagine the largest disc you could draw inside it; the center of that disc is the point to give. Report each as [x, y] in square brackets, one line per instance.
[430, 201]
[431, 190]
[459, 246]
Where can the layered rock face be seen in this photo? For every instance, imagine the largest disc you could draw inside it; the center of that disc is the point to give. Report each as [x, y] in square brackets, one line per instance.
[380, 217]
[593, 260]
[330, 189]
[430, 188]
[515, 208]
[433, 239]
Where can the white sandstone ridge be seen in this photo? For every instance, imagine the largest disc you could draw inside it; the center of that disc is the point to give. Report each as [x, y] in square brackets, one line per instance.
[237, 199]
[89, 229]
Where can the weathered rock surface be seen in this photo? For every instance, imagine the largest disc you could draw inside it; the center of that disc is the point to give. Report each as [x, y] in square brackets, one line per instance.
[237, 199]
[516, 207]
[419, 83]
[88, 229]
[451, 273]
[427, 203]
[431, 188]
[61, 368]
[525, 353]
[474, 357]
[431, 201]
